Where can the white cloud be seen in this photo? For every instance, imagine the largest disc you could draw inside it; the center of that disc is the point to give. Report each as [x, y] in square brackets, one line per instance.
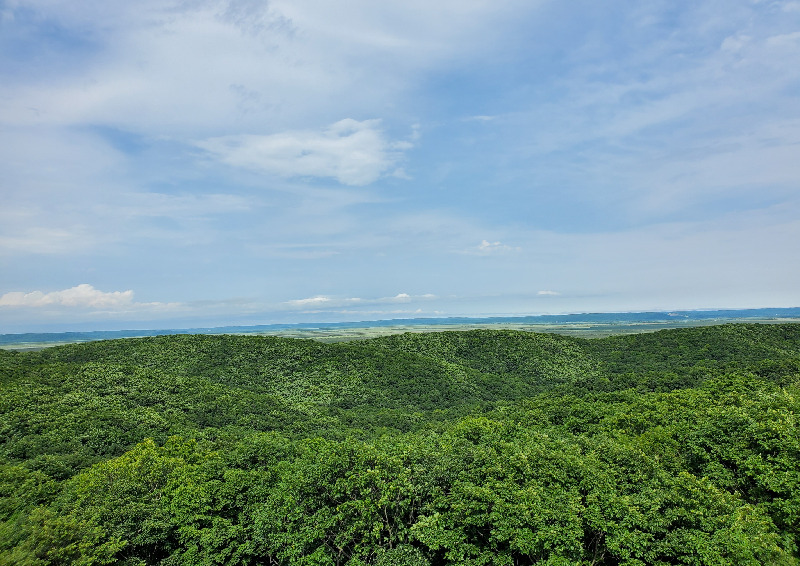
[548, 293]
[314, 301]
[83, 295]
[486, 247]
[383, 312]
[322, 301]
[352, 152]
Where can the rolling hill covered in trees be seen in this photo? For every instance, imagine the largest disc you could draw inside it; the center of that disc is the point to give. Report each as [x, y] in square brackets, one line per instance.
[480, 447]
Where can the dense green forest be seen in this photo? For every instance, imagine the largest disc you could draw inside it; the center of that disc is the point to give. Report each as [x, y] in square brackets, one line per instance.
[480, 447]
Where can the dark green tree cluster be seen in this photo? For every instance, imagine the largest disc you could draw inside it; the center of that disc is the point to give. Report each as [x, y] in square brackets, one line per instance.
[475, 448]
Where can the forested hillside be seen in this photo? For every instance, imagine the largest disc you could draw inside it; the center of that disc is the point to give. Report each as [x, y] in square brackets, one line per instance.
[479, 447]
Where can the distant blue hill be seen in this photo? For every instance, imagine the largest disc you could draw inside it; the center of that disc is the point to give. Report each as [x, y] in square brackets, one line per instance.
[33, 338]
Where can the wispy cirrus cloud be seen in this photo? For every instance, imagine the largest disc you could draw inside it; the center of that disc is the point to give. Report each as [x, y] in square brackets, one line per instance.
[57, 225]
[289, 63]
[352, 152]
[45, 240]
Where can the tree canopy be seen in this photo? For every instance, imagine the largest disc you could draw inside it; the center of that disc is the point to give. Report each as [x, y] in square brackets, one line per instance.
[479, 447]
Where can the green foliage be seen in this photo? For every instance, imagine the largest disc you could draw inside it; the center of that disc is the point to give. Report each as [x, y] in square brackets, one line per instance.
[481, 447]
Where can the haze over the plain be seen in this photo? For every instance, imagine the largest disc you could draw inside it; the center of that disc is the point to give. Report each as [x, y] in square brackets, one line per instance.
[210, 162]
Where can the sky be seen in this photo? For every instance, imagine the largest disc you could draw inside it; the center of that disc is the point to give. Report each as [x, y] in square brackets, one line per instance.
[188, 163]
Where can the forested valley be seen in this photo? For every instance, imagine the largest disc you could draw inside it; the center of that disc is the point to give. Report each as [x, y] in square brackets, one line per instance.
[471, 448]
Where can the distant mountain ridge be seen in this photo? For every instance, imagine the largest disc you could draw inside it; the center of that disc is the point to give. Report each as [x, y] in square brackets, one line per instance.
[33, 338]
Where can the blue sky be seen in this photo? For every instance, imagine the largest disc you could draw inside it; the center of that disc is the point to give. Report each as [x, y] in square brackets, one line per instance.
[211, 162]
